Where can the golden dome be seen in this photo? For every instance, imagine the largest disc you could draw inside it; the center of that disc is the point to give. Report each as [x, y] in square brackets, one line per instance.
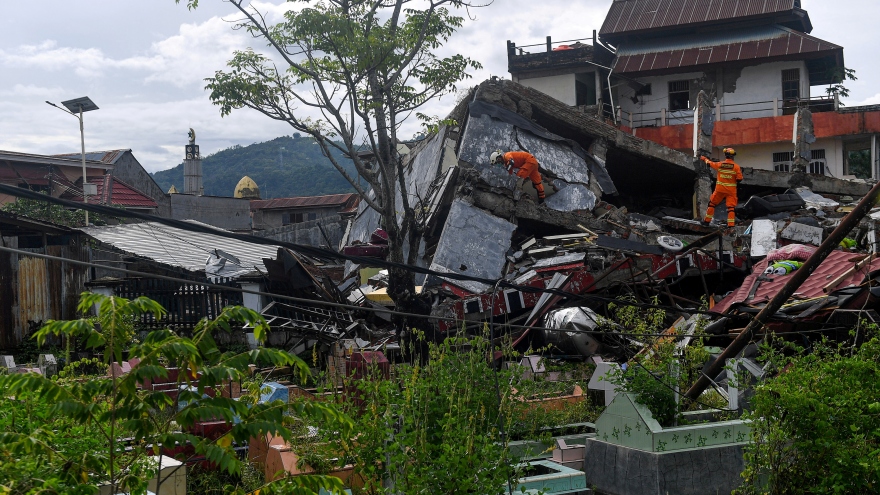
[173, 190]
[247, 189]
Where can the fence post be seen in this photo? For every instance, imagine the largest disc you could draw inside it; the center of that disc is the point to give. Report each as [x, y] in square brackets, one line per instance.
[663, 117]
[776, 107]
[836, 101]
[549, 45]
[718, 112]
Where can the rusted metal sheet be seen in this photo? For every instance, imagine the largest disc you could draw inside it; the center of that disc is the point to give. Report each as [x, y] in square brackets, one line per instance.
[34, 290]
[34, 305]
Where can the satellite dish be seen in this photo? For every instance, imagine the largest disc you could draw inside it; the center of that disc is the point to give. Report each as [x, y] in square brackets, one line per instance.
[670, 243]
[192, 136]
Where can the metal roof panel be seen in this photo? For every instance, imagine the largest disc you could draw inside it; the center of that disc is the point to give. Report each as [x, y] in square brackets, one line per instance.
[745, 44]
[347, 200]
[640, 15]
[177, 247]
[837, 263]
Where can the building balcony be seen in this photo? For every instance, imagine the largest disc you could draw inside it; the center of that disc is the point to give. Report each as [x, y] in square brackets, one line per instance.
[556, 55]
[736, 128]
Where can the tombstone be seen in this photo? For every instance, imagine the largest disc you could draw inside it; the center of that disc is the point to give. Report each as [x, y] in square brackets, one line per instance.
[8, 363]
[600, 381]
[48, 365]
[276, 391]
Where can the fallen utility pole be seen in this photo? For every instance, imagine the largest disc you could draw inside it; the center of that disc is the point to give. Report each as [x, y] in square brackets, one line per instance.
[848, 223]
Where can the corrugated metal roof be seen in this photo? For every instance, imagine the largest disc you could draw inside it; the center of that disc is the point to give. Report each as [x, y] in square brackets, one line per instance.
[180, 248]
[835, 265]
[14, 156]
[711, 48]
[641, 15]
[110, 157]
[346, 200]
[111, 191]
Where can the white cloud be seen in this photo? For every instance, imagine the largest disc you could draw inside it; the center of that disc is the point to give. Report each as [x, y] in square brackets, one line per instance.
[151, 91]
[873, 100]
[88, 62]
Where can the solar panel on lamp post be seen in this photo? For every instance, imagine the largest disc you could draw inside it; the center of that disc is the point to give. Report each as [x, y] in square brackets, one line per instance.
[76, 107]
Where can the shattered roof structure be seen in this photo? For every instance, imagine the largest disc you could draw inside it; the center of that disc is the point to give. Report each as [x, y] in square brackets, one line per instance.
[181, 248]
[838, 264]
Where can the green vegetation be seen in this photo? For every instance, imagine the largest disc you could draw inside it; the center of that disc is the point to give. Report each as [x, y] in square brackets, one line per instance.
[816, 426]
[653, 374]
[48, 212]
[74, 432]
[432, 428]
[305, 171]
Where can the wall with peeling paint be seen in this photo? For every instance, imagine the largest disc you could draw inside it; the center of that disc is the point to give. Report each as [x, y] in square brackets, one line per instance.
[34, 290]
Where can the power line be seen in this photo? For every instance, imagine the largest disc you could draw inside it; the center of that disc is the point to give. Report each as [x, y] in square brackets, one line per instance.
[326, 253]
[355, 307]
[290, 298]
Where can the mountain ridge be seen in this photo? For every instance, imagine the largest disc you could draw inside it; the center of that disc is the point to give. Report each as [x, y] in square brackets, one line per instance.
[286, 166]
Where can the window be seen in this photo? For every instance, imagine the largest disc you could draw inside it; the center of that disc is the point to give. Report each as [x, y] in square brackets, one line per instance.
[585, 88]
[791, 84]
[679, 95]
[312, 216]
[857, 158]
[782, 161]
[291, 218]
[817, 162]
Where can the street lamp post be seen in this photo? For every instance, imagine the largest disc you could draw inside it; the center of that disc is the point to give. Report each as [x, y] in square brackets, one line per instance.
[76, 107]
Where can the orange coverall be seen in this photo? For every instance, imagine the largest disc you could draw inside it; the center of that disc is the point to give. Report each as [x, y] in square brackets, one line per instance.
[729, 174]
[526, 166]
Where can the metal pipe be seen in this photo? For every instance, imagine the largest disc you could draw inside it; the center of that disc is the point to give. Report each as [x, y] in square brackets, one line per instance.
[800, 276]
[82, 142]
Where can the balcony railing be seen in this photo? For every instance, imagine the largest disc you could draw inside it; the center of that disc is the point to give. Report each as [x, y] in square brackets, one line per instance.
[735, 111]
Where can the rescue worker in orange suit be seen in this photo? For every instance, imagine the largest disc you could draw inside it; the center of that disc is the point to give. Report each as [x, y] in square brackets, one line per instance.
[729, 175]
[524, 164]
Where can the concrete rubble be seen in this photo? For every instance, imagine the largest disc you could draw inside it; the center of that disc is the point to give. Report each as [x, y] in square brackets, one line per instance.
[618, 221]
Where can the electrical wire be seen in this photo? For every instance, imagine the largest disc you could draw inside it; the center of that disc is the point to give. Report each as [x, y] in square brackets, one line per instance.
[282, 296]
[323, 253]
[317, 302]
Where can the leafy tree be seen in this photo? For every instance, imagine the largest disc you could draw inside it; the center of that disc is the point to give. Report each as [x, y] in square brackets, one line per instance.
[816, 426]
[839, 75]
[107, 409]
[365, 66]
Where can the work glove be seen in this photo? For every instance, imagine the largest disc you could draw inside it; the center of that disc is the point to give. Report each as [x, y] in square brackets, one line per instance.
[540, 201]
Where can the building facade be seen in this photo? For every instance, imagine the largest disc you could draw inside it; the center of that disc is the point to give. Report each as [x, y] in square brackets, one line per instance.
[279, 212]
[758, 64]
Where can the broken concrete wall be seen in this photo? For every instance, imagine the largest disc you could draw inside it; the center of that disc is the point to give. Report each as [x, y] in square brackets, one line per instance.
[474, 243]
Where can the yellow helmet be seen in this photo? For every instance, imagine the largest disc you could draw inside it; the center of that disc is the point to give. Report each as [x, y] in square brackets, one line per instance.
[729, 152]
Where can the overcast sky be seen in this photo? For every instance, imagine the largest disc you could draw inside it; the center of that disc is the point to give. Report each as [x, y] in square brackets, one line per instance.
[144, 62]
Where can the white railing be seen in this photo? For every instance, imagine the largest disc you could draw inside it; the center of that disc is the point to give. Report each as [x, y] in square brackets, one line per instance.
[734, 111]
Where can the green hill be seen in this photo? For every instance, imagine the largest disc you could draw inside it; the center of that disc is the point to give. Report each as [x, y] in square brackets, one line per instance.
[304, 172]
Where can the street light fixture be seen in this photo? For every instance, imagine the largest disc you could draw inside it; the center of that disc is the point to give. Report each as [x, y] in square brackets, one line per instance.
[76, 107]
